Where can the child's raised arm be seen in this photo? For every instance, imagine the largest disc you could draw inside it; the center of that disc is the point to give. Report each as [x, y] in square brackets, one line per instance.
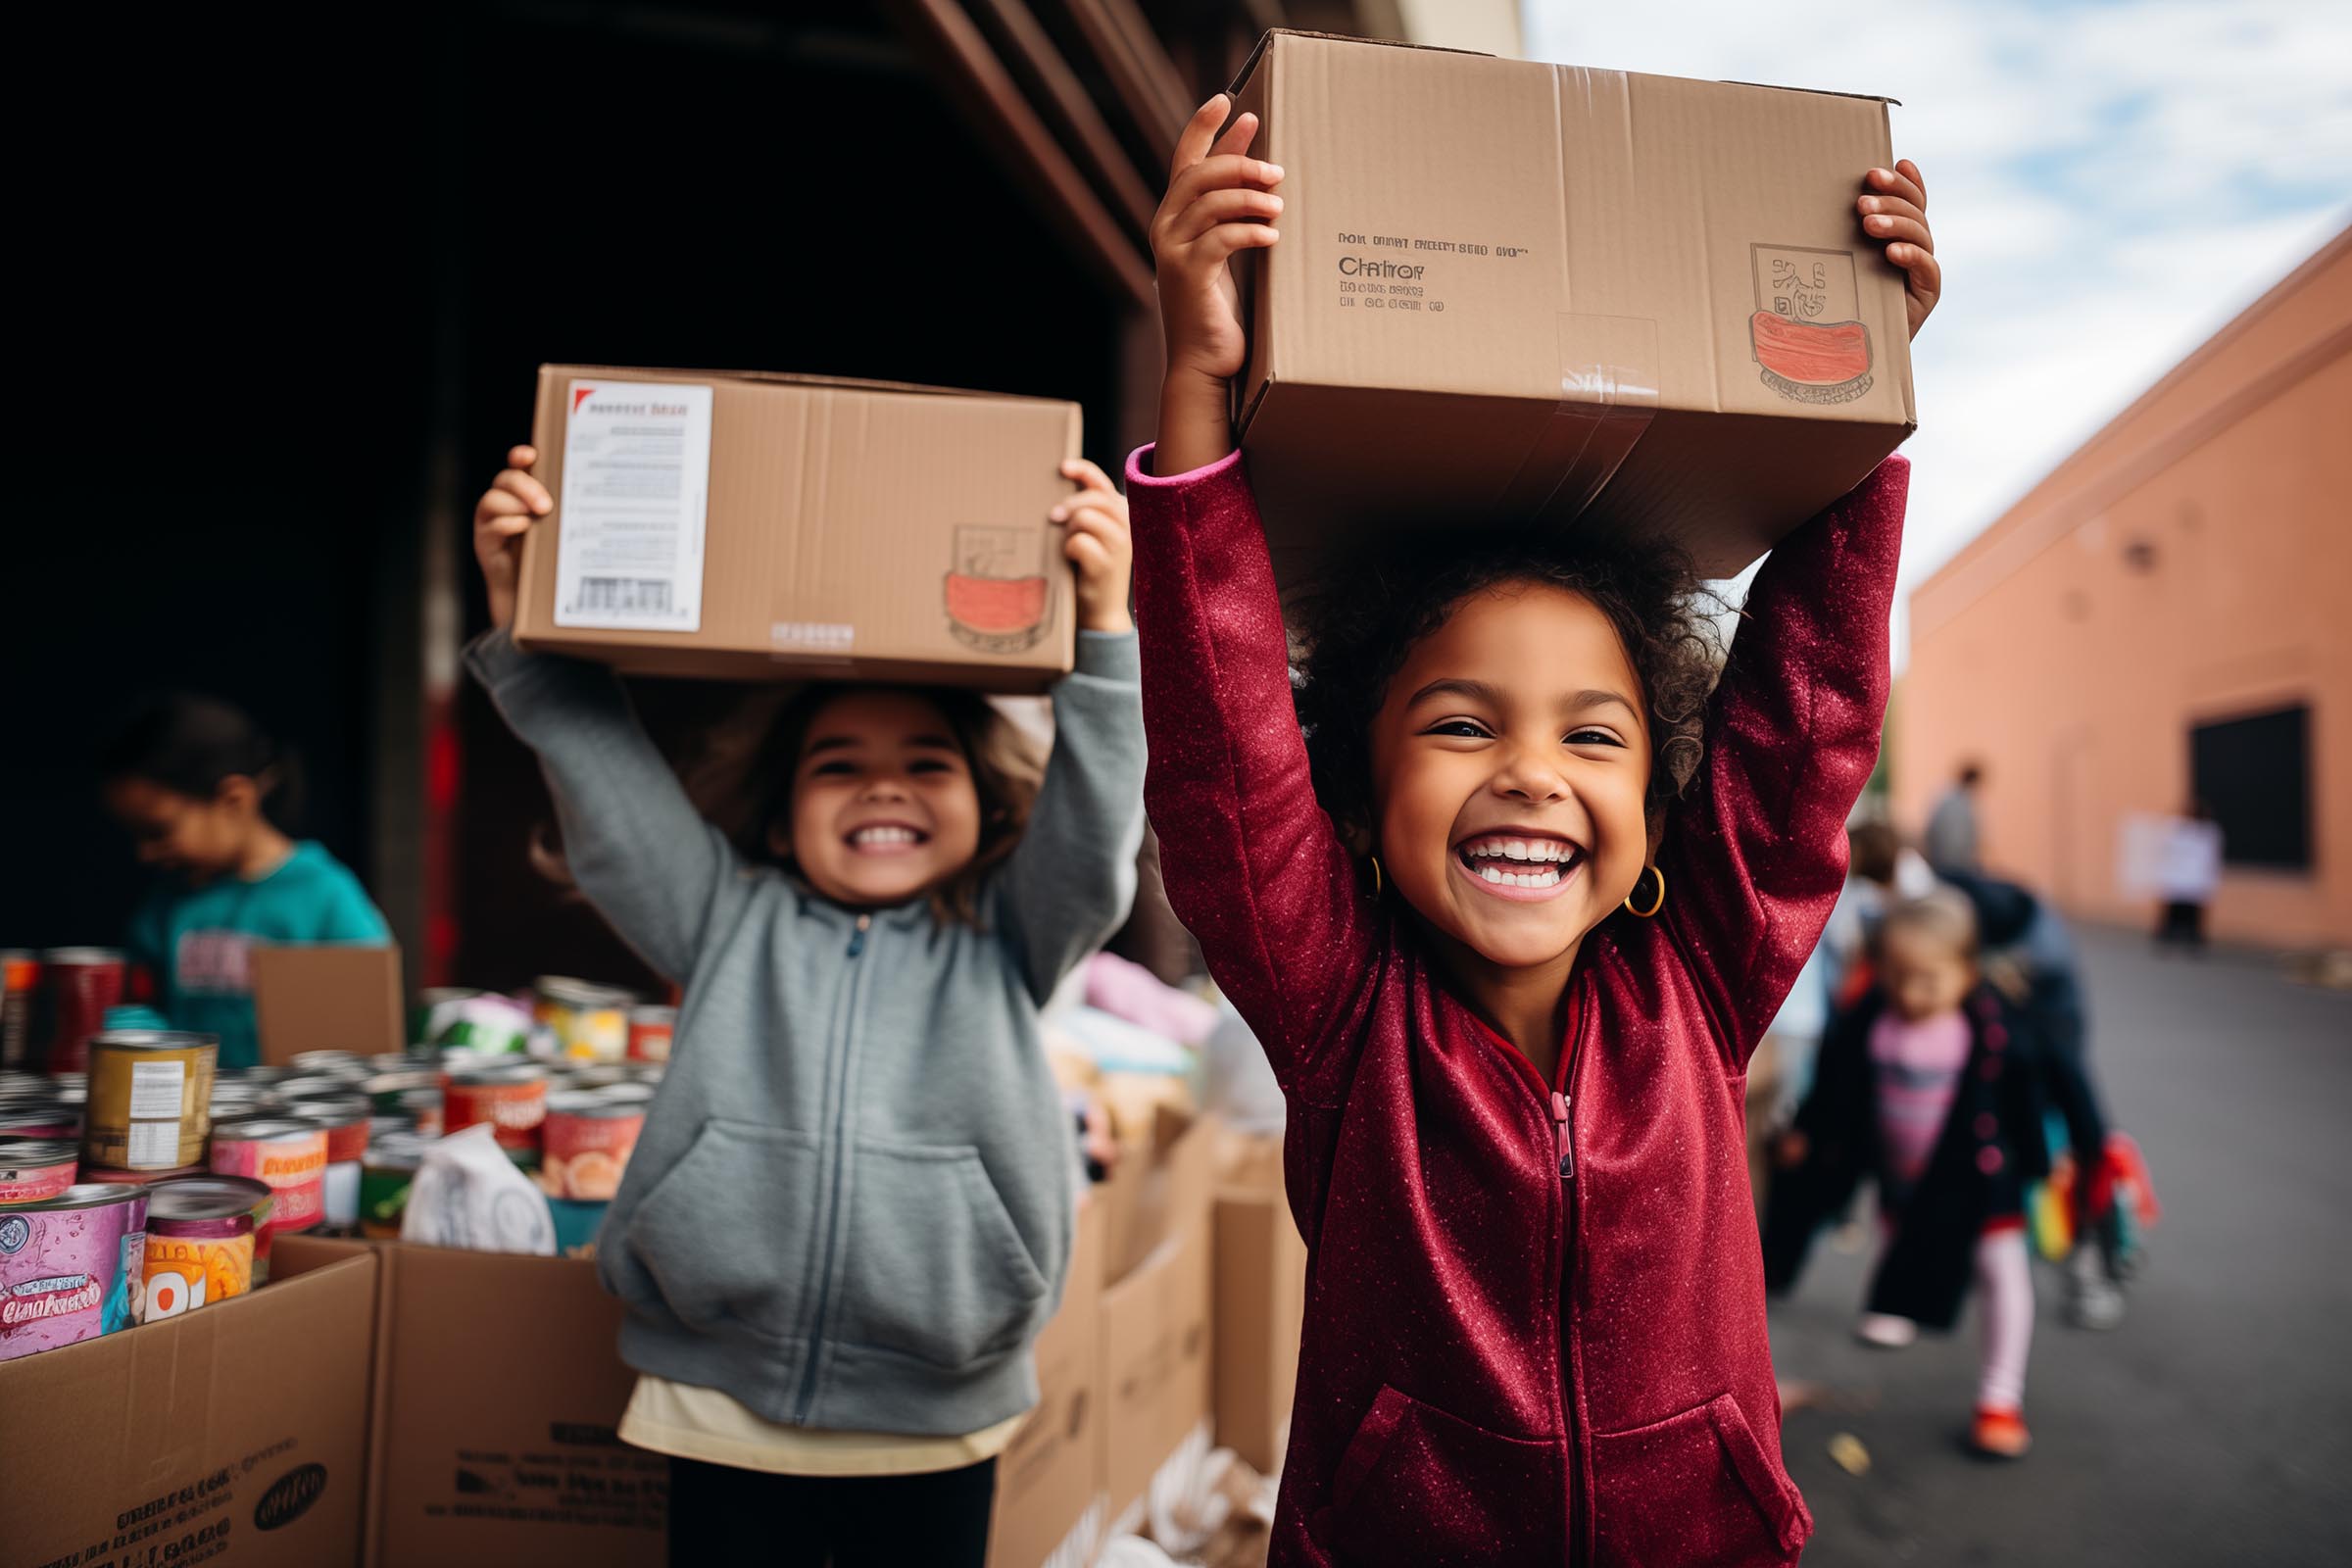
[632, 840]
[1754, 860]
[1072, 880]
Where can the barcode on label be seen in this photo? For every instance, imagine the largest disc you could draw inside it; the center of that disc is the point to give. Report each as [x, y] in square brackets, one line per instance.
[633, 596]
[154, 1089]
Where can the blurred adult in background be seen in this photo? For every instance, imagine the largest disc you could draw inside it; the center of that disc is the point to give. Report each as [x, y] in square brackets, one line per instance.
[2189, 873]
[1951, 837]
[213, 802]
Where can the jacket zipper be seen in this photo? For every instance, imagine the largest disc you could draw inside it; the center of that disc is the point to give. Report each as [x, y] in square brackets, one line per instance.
[840, 1115]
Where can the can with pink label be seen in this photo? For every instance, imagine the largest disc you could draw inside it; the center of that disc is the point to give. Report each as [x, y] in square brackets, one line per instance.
[72, 1267]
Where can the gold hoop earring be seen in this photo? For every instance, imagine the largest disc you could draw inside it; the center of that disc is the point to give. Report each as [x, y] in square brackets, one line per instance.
[1377, 882]
[1658, 903]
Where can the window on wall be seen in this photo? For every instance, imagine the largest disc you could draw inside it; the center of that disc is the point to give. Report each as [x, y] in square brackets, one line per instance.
[2254, 773]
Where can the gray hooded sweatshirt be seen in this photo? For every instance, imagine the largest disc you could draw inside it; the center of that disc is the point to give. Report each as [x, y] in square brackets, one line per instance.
[851, 1207]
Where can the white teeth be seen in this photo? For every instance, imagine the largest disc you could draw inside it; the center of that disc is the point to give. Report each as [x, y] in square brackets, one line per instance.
[883, 835]
[1540, 852]
[1491, 874]
[1549, 877]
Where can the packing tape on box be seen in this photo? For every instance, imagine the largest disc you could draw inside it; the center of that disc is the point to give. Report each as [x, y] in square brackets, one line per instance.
[1608, 395]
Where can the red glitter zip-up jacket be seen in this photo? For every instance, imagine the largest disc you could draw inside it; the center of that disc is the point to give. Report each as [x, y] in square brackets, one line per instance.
[1535, 1313]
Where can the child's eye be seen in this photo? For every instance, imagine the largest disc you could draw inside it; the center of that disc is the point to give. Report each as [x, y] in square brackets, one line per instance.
[833, 769]
[1466, 729]
[929, 765]
[1592, 737]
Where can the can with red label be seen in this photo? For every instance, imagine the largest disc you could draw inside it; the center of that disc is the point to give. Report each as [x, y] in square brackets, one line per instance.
[286, 1155]
[650, 1032]
[589, 1139]
[344, 1120]
[34, 1168]
[511, 1098]
[81, 984]
[20, 977]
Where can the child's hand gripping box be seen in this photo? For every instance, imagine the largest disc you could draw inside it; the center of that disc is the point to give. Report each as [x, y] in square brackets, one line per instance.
[1509, 292]
[748, 527]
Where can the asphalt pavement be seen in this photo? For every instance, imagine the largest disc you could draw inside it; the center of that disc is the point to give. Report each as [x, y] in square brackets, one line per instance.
[2215, 1425]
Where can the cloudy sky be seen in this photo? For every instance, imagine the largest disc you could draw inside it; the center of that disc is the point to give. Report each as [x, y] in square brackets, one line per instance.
[2109, 183]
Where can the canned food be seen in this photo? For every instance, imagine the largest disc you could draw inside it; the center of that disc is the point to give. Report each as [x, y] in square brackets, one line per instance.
[423, 1107]
[34, 1168]
[590, 1022]
[512, 1099]
[81, 983]
[52, 1120]
[289, 1156]
[494, 1026]
[384, 1179]
[588, 1140]
[137, 1178]
[200, 1236]
[576, 1225]
[630, 1094]
[20, 977]
[313, 1086]
[595, 1075]
[649, 1030]
[70, 1267]
[150, 1098]
[331, 1063]
[344, 1123]
[386, 1087]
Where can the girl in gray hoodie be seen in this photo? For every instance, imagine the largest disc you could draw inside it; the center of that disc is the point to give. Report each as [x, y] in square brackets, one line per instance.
[851, 1208]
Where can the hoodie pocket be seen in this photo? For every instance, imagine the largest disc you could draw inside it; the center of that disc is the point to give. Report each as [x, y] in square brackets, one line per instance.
[1420, 1487]
[726, 1232]
[935, 1267]
[1694, 1488]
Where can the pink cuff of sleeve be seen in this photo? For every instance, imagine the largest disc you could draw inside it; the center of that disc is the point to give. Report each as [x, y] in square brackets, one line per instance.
[1139, 469]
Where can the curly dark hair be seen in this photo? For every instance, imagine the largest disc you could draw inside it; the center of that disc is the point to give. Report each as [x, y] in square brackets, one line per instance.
[1355, 626]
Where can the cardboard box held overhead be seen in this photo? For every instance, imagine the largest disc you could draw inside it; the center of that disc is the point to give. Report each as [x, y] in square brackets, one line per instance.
[1508, 292]
[750, 526]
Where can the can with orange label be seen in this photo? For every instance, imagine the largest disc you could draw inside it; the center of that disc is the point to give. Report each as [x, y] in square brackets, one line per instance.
[589, 1140]
[200, 1236]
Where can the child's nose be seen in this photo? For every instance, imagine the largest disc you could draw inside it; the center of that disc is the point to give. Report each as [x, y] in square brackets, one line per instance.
[1529, 776]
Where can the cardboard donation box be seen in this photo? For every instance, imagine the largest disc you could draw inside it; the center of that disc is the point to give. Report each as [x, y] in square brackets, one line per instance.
[329, 997]
[766, 527]
[1157, 1333]
[498, 1393]
[1051, 1473]
[1510, 292]
[1260, 1301]
[233, 1434]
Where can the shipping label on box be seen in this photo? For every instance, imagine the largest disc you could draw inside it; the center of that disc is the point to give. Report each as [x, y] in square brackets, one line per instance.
[1483, 308]
[636, 482]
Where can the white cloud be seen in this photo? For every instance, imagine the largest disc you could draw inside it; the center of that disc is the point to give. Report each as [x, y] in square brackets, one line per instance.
[2110, 183]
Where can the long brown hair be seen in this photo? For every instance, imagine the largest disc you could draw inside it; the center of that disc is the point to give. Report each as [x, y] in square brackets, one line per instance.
[1005, 775]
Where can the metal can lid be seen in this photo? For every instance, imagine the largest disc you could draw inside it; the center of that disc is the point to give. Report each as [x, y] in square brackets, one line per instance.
[420, 1096]
[340, 1111]
[263, 1129]
[86, 1195]
[206, 1197]
[18, 1153]
[518, 1072]
[80, 956]
[152, 1040]
[570, 992]
[650, 1013]
[630, 1094]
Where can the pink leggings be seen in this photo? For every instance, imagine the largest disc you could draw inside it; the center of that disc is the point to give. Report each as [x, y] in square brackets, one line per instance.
[2005, 1283]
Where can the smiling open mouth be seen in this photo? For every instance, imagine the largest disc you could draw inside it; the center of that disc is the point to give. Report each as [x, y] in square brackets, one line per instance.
[885, 838]
[1502, 859]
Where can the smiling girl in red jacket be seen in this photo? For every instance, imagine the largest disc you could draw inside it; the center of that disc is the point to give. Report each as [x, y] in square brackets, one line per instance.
[1507, 969]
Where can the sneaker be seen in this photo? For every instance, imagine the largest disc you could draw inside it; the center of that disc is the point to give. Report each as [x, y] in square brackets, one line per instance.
[2093, 1300]
[2001, 1433]
[1885, 1331]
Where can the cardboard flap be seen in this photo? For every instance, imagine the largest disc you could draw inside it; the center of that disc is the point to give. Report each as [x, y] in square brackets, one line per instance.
[328, 998]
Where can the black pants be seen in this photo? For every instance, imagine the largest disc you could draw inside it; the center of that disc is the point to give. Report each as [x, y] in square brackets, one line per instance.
[2183, 922]
[723, 1516]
